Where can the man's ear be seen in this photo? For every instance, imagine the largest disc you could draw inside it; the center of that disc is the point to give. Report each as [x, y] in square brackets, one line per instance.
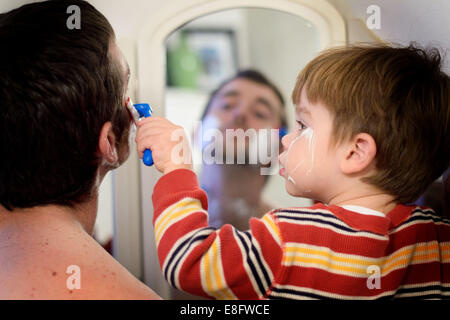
[359, 154]
[107, 143]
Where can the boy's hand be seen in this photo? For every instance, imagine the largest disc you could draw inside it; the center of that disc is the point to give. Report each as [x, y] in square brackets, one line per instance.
[168, 142]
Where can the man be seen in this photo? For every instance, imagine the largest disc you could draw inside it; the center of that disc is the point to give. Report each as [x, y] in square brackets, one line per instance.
[246, 101]
[63, 126]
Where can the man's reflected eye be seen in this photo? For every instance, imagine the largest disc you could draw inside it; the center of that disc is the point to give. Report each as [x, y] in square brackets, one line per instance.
[227, 106]
[260, 115]
[261, 112]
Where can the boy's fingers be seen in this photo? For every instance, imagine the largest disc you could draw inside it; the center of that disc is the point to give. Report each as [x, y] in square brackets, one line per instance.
[149, 131]
[152, 120]
[141, 147]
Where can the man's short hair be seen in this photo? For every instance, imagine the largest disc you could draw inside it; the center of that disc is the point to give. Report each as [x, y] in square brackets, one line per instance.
[398, 95]
[57, 88]
[257, 77]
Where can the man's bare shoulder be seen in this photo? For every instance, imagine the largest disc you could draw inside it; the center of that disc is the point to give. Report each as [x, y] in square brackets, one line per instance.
[65, 264]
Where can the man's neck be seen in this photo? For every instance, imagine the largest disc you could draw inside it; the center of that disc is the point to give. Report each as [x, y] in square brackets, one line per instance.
[50, 216]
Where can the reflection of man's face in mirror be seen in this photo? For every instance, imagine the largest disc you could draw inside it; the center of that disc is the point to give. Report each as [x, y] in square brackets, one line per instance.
[245, 104]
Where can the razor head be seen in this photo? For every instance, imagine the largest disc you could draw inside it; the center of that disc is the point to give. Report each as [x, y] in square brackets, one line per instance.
[134, 113]
[143, 109]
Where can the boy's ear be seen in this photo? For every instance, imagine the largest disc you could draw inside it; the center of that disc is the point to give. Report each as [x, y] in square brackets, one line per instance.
[107, 143]
[359, 153]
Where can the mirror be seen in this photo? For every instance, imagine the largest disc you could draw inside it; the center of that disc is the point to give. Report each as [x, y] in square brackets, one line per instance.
[151, 57]
[209, 50]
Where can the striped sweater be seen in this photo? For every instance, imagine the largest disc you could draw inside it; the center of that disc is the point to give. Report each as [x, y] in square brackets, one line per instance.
[299, 253]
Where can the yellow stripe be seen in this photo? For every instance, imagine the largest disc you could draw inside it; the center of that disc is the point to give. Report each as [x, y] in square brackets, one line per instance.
[213, 274]
[166, 214]
[218, 272]
[328, 254]
[446, 258]
[206, 270]
[160, 229]
[420, 253]
[329, 265]
[273, 227]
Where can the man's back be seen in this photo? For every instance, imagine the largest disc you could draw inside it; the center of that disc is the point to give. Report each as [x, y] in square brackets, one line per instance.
[51, 257]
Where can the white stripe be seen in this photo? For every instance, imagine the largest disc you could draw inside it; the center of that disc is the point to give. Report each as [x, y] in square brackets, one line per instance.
[325, 294]
[270, 230]
[167, 213]
[428, 220]
[341, 296]
[368, 260]
[357, 233]
[363, 210]
[333, 219]
[191, 211]
[178, 265]
[263, 261]
[221, 293]
[246, 265]
[255, 262]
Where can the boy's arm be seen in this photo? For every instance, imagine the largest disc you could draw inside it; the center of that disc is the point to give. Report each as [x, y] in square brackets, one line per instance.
[222, 264]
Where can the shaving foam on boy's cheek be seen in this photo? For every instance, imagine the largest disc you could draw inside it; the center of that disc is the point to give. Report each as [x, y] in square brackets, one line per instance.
[309, 134]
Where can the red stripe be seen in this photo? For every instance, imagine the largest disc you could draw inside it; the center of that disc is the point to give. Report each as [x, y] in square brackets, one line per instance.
[323, 237]
[314, 278]
[232, 261]
[189, 276]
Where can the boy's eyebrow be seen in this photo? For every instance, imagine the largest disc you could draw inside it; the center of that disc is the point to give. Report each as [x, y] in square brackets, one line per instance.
[302, 109]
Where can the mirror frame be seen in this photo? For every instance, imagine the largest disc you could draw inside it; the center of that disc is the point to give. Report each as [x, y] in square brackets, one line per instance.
[152, 73]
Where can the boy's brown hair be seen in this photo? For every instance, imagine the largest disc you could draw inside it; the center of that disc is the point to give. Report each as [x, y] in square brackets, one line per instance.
[398, 95]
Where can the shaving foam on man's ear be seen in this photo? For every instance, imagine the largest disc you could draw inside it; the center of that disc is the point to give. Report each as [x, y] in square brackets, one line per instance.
[138, 111]
[112, 154]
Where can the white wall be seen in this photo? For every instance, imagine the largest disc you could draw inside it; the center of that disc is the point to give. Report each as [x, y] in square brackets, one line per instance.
[402, 21]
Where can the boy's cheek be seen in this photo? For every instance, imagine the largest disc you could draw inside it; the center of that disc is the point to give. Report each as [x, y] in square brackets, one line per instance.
[294, 186]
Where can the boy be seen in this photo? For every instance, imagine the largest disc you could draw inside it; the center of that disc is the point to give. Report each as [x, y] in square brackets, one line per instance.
[372, 133]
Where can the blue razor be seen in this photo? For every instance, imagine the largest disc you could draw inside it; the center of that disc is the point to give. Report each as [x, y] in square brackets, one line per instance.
[138, 111]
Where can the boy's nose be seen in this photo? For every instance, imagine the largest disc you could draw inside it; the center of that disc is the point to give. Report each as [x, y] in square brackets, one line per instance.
[285, 141]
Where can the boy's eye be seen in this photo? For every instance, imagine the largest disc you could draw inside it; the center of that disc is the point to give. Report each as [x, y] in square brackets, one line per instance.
[301, 125]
